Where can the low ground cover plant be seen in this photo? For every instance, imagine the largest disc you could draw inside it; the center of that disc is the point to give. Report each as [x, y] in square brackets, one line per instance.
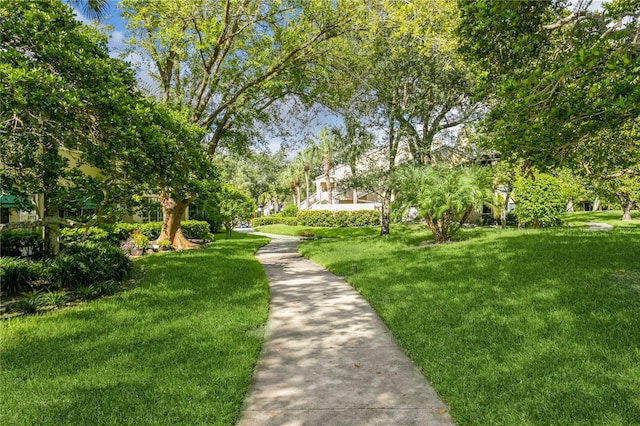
[179, 348]
[511, 326]
[78, 266]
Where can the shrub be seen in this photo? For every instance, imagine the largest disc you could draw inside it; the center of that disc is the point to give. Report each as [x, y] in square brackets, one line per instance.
[316, 218]
[365, 218]
[151, 230]
[19, 275]
[121, 230]
[93, 233]
[289, 211]
[195, 229]
[539, 201]
[21, 242]
[343, 219]
[274, 220]
[83, 264]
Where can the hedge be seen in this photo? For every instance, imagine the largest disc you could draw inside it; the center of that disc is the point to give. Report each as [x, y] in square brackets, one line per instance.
[274, 220]
[324, 218]
[341, 219]
[93, 233]
[195, 229]
[115, 233]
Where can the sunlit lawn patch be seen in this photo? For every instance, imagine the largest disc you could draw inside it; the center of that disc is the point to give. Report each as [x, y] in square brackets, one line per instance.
[612, 217]
[177, 349]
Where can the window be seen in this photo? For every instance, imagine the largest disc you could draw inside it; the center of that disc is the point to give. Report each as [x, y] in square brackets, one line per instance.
[4, 215]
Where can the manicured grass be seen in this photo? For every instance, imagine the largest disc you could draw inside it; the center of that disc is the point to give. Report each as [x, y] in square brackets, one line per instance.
[612, 217]
[179, 348]
[322, 232]
[512, 327]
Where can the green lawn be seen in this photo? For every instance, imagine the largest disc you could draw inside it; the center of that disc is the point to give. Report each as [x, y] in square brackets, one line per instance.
[512, 327]
[177, 349]
[612, 217]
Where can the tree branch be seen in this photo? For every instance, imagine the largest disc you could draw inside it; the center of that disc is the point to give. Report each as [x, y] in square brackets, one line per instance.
[578, 16]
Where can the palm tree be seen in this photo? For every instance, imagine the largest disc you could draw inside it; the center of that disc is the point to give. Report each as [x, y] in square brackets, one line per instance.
[93, 9]
[291, 177]
[352, 145]
[327, 147]
[307, 158]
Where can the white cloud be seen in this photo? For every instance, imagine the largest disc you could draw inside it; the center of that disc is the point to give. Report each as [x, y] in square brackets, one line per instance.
[116, 40]
[80, 17]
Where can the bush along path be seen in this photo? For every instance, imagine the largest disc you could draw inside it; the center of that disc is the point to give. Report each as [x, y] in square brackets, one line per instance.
[327, 357]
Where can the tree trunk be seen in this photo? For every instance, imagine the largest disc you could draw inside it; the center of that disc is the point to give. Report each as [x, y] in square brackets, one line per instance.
[306, 178]
[465, 215]
[626, 204]
[433, 227]
[51, 236]
[596, 204]
[326, 163]
[172, 212]
[385, 214]
[355, 196]
[570, 206]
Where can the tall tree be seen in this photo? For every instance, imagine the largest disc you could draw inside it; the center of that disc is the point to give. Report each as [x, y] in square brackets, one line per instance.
[228, 62]
[308, 158]
[290, 176]
[326, 145]
[417, 74]
[67, 107]
[403, 73]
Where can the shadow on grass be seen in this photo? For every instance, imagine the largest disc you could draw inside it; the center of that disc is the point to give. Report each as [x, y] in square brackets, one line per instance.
[515, 327]
[179, 348]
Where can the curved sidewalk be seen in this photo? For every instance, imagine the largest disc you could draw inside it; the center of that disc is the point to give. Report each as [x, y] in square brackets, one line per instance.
[327, 358]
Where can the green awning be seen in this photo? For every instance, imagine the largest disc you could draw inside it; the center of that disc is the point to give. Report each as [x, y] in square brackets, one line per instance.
[9, 201]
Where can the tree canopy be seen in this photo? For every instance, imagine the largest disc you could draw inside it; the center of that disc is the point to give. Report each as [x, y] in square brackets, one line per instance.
[73, 126]
[558, 81]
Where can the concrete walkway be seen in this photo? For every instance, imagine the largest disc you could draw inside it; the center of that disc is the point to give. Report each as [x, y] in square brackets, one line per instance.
[327, 358]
